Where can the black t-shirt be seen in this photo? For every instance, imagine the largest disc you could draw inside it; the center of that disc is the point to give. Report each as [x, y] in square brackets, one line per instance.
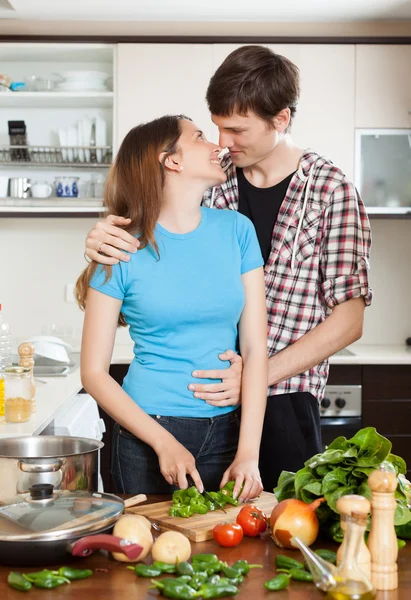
[261, 206]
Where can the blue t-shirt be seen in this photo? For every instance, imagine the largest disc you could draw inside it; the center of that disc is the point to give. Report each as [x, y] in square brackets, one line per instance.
[183, 308]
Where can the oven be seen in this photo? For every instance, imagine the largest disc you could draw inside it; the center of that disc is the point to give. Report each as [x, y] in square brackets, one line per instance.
[340, 412]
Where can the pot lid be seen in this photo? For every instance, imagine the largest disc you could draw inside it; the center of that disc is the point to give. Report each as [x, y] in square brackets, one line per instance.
[46, 514]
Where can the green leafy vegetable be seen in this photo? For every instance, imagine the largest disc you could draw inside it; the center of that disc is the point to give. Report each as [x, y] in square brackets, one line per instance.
[343, 468]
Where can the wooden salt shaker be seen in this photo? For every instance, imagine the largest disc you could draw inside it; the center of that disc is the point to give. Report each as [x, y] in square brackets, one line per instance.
[382, 541]
[346, 506]
[26, 352]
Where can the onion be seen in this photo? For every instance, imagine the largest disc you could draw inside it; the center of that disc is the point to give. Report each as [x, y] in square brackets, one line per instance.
[294, 518]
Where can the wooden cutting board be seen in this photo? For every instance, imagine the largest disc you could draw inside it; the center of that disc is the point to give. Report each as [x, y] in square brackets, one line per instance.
[198, 528]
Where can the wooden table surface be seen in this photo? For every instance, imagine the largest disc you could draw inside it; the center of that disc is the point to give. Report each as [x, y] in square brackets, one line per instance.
[115, 581]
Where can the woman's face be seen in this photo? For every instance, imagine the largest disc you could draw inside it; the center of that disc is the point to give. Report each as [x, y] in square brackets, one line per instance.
[198, 157]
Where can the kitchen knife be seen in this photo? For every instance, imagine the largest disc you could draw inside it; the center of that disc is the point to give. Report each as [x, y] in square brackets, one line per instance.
[206, 494]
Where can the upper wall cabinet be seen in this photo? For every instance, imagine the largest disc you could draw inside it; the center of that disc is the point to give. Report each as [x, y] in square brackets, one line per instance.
[325, 115]
[383, 86]
[56, 123]
[158, 79]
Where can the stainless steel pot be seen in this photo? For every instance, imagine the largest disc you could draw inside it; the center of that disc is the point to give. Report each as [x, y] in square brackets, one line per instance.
[67, 463]
[41, 527]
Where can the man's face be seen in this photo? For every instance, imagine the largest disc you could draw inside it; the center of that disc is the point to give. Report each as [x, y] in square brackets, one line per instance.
[248, 138]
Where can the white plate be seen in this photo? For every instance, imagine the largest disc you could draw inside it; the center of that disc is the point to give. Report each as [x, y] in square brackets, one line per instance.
[72, 141]
[84, 75]
[87, 123]
[63, 142]
[81, 87]
[80, 140]
[101, 136]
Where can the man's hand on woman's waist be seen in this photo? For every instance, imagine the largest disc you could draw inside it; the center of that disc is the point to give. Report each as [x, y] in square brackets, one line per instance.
[226, 393]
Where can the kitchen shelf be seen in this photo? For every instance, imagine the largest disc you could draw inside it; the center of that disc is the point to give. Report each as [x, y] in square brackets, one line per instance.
[52, 205]
[28, 52]
[56, 99]
[56, 156]
[390, 212]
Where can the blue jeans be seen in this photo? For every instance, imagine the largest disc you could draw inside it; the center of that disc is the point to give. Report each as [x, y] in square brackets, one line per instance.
[212, 441]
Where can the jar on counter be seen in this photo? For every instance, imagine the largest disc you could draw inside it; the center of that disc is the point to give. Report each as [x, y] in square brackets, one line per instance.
[18, 393]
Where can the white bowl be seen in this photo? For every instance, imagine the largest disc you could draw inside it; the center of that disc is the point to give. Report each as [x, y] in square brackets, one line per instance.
[51, 348]
[53, 352]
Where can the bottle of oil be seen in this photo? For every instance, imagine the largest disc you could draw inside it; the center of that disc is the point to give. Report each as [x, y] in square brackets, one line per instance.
[351, 581]
[5, 357]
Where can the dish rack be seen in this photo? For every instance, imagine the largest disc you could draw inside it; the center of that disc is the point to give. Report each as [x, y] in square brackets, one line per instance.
[55, 156]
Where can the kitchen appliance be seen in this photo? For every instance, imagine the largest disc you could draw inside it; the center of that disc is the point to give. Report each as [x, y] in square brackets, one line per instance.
[67, 463]
[199, 528]
[382, 170]
[42, 526]
[340, 412]
[19, 187]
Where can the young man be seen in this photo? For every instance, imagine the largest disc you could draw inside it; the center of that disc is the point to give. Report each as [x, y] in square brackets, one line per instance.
[315, 238]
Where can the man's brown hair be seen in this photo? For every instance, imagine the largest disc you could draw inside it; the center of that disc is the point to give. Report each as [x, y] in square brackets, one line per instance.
[253, 78]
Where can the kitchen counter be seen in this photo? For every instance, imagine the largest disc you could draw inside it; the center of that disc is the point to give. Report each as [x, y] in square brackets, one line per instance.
[357, 354]
[52, 395]
[115, 581]
[50, 398]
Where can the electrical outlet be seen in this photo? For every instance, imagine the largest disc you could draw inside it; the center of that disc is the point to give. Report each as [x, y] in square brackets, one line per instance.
[69, 292]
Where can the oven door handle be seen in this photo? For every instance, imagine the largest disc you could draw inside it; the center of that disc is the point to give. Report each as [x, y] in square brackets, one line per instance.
[340, 421]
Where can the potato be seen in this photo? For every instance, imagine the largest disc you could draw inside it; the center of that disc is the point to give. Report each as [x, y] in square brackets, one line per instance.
[134, 529]
[143, 520]
[171, 547]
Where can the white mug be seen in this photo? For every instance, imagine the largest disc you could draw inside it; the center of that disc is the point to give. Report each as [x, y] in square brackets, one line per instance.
[41, 189]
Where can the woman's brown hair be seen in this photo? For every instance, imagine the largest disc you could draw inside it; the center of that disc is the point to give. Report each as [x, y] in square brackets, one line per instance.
[253, 78]
[135, 185]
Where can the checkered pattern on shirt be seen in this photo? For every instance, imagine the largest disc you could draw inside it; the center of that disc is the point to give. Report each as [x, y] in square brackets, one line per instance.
[331, 260]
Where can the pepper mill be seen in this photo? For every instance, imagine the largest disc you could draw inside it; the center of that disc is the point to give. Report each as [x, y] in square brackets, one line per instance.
[26, 352]
[346, 506]
[382, 541]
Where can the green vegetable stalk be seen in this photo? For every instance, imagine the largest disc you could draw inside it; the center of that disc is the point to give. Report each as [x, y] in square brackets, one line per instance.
[177, 590]
[286, 562]
[280, 582]
[18, 582]
[142, 570]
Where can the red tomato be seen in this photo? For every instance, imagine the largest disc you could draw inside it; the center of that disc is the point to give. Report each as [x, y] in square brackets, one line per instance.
[252, 520]
[228, 534]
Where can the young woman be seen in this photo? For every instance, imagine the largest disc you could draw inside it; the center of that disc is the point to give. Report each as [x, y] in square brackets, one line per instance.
[194, 286]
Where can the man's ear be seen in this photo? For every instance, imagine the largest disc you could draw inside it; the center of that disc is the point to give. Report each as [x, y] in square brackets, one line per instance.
[171, 162]
[282, 120]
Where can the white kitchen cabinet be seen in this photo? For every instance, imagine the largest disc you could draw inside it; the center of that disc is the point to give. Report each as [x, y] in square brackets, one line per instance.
[383, 86]
[59, 149]
[325, 115]
[158, 79]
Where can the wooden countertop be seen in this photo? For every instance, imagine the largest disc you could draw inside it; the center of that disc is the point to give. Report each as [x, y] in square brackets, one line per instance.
[115, 581]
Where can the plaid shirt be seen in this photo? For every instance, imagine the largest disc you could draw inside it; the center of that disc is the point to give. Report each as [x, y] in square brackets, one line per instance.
[308, 274]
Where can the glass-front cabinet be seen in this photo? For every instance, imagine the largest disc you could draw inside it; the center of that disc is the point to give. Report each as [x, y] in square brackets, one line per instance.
[383, 170]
